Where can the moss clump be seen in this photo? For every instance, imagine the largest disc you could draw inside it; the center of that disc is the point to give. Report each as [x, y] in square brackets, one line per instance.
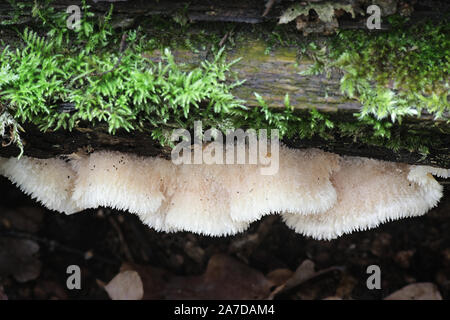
[55, 81]
[403, 71]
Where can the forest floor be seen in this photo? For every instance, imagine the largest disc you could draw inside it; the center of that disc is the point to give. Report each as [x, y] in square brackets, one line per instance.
[268, 261]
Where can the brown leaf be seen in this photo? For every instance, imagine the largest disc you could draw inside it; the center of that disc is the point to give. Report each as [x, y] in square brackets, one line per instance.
[225, 278]
[154, 281]
[417, 291]
[303, 273]
[279, 276]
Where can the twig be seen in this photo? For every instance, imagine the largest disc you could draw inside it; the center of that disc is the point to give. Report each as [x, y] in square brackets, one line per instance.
[269, 6]
[11, 138]
[224, 38]
[287, 287]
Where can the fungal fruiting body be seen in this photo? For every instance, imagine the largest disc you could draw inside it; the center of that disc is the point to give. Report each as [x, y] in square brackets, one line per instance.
[49, 181]
[124, 182]
[301, 185]
[370, 192]
[201, 203]
[319, 194]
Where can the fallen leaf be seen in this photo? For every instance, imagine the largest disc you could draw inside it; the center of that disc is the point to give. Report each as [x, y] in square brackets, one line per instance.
[225, 278]
[279, 276]
[303, 273]
[127, 285]
[154, 281]
[416, 291]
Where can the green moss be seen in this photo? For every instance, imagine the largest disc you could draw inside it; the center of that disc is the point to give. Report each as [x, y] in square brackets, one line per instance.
[368, 130]
[397, 73]
[85, 71]
[59, 78]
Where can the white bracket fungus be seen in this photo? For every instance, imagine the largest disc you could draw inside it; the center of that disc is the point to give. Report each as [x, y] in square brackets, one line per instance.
[371, 192]
[319, 194]
[50, 181]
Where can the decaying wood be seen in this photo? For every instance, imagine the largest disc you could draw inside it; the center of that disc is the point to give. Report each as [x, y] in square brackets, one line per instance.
[240, 11]
[271, 75]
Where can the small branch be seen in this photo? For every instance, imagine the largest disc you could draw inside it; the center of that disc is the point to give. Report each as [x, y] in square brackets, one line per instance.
[226, 36]
[269, 6]
[286, 288]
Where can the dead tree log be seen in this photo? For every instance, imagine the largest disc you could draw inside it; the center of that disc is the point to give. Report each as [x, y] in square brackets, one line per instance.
[271, 75]
[238, 11]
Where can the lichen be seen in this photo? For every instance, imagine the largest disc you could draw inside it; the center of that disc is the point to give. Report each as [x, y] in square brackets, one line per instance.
[326, 21]
[9, 128]
[9, 131]
[325, 10]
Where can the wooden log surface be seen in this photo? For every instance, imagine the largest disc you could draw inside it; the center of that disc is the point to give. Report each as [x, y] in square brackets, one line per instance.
[271, 75]
[241, 11]
[250, 11]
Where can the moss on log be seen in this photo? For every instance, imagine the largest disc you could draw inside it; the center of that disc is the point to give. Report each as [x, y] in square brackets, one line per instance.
[271, 68]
